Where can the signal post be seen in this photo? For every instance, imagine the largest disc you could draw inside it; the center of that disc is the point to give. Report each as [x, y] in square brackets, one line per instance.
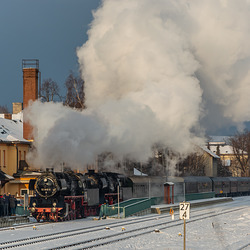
[184, 210]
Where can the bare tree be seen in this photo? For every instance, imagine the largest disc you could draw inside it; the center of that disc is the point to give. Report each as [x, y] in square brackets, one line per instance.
[4, 109]
[49, 90]
[222, 169]
[241, 148]
[193, 164]
[75, 92]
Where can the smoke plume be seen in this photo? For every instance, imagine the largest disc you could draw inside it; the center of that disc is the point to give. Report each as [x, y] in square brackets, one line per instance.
[155, 72]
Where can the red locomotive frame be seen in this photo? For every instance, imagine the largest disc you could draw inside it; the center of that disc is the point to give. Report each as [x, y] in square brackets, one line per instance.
[76, 208]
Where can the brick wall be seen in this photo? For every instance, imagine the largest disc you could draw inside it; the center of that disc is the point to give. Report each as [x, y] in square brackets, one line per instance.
[8, 116]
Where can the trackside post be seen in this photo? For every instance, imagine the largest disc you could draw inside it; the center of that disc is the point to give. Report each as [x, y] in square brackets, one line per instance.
[171, 211]
[184, 210]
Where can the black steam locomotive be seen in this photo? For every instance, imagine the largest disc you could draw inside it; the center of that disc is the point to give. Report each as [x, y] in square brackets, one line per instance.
[67, 195]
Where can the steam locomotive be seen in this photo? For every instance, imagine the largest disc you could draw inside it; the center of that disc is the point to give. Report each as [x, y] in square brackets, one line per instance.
[67, 195]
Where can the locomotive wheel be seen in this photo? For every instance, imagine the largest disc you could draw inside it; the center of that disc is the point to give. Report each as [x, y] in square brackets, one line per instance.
[38, 218]
[82, 213]
[67, 217]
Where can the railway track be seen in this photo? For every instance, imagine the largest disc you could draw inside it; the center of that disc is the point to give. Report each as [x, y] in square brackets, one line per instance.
[106, 240]
[73, 232]
[109, 236]
[36, 224]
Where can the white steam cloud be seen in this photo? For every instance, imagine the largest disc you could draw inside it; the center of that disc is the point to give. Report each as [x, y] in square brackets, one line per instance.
[155, 72]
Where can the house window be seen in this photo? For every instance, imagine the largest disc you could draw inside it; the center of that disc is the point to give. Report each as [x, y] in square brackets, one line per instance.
[24, 191]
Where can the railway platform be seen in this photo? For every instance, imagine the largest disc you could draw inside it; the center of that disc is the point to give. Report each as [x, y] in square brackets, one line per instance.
[165, 208]
[143, 206]
[9, 221]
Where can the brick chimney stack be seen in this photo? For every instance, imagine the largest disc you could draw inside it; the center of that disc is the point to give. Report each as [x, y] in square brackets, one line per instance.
[7, 116]
[17, 107]
[31, 75]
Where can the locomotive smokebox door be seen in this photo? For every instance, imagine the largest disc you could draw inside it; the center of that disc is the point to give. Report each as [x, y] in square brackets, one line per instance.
[167, 195]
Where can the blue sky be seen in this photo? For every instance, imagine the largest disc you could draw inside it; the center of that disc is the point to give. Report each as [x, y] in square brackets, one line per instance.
[216, 41]
[48, 30]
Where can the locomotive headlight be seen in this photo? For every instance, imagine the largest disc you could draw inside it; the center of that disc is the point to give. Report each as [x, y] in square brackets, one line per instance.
[33, 210]
[53, 209]
[54, 204]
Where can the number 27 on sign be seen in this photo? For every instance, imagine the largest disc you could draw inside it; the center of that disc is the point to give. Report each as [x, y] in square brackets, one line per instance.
[184, 210]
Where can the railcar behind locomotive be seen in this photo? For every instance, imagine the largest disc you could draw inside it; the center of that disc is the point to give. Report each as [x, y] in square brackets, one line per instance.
[148, 186]
[231, 186]
[68, 195]
[220, 186]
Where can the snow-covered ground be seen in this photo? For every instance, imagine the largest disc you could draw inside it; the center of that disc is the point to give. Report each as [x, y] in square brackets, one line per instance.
[223, 231]
[228, 231]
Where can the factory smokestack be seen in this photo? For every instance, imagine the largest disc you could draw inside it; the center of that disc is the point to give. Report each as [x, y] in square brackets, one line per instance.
[31, 75]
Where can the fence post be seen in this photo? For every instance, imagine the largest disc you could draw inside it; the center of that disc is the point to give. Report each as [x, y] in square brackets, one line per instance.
[118, 194]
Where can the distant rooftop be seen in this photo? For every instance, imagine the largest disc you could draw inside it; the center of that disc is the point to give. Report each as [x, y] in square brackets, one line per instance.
[213, 138]
[212, 153]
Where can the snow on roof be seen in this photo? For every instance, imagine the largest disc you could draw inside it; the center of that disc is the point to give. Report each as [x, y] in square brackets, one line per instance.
[11, 130]
[210, 152]
[18, 116]
[4, 176]
[137, 172]
[225, 149]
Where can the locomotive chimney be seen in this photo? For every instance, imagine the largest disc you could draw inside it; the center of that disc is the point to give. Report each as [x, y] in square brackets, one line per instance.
[50, 170]
[31, 75]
